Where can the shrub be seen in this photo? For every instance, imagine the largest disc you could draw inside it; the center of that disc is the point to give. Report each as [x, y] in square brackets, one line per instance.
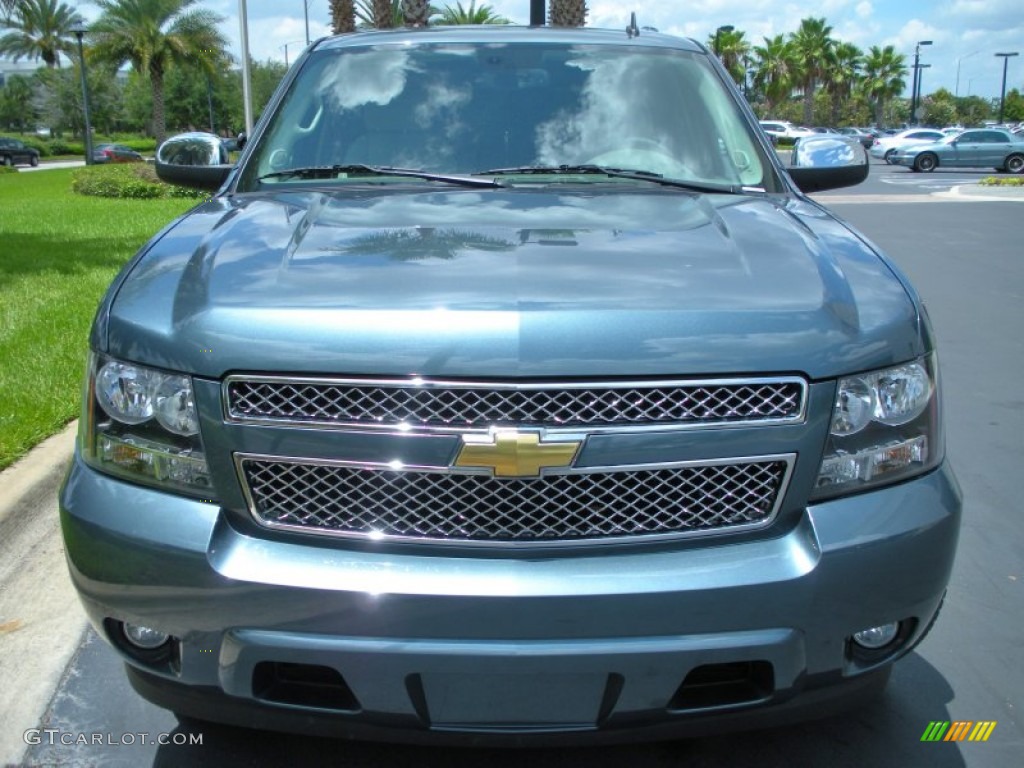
[7, 169]
[65, 147]
[40, 147]
[1002, 181]
[135, 181]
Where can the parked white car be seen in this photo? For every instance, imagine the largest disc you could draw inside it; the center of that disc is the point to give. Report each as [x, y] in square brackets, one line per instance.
[884, 146]
[782, 129]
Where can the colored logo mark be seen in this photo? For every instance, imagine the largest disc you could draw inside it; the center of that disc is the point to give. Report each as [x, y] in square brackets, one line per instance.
[958, 730]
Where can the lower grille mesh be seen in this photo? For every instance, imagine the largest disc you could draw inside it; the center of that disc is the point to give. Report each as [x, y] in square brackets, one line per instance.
[382, 503]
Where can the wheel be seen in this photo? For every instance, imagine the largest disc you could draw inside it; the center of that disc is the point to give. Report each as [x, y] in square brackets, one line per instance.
[925, 162]
[888, 156]
[34, 161]
[8, 161]
[1015, 164]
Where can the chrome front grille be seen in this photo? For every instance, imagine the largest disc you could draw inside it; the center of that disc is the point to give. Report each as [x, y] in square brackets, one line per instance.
[376, 502]
[468, 406]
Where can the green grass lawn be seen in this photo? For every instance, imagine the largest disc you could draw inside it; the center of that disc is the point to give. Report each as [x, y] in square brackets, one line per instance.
[58, 253]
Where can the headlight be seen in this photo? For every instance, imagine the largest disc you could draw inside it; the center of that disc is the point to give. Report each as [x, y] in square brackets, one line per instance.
[141, 424]
[886, 426]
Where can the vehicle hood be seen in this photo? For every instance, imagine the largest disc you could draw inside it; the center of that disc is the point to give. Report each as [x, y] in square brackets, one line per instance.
[536, 282]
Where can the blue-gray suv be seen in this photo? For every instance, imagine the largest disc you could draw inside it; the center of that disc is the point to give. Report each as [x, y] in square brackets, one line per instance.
[508, 389]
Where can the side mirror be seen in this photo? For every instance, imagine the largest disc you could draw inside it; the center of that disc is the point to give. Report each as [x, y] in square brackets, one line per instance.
[197, 160]
[828, 162]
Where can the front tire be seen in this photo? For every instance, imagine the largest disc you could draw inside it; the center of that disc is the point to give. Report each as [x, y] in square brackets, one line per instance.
[925, 162]
[34, 161]
[888, 156]
[1015, 164]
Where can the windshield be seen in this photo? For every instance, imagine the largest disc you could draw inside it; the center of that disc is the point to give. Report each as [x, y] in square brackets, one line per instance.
[465, 109]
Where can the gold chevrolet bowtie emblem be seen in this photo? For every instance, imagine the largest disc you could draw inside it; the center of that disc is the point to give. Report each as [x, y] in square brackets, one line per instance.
[514, 454]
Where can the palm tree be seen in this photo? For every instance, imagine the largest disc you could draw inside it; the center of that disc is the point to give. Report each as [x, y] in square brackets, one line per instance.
[567, 13]
[151, 35]
[384, 13]
[842, 74]
[884, 70]
[343, 16]
[732, 49]
[485, 14]
[811, 46]
[416, 13]
[40, 29]
[774, 72]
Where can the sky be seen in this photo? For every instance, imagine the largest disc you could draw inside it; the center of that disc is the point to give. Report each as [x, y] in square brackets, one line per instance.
[965, 34]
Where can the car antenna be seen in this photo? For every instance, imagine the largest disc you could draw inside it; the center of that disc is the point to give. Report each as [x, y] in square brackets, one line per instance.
[632, 30]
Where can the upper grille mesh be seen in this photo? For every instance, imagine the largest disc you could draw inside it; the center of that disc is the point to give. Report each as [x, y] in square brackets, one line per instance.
[381, 503]
[449, 406]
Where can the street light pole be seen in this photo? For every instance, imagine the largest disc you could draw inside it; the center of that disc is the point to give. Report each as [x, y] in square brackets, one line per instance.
[917, 78]
[956, 92]
[79, 30]
[243, 22]
[305, 11]
[1002, 93]
[920, 81]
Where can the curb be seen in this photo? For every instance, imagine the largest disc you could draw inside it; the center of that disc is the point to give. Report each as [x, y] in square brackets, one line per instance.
[41, 618]
[35, 476]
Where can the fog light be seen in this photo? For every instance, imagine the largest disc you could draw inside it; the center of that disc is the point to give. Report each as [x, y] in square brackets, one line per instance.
[876, 637]
[144, 637]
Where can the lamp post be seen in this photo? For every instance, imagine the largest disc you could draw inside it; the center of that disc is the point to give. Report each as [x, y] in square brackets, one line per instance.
[920, 83]
[285, 46]
[956, 92]
[305, 12]
[917, 77]
[243, 23]
[79, 30]
[1002, 93]
[718, 35]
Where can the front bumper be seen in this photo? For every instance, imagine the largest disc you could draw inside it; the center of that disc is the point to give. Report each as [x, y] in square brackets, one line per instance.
[592, 646]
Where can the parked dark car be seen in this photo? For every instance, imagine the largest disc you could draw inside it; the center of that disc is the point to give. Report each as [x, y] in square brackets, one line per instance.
[509, 388]
[115, 153]
[15, 152]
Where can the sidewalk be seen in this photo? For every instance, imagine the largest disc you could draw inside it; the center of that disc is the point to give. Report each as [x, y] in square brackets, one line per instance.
[41, 620]
[977, 191]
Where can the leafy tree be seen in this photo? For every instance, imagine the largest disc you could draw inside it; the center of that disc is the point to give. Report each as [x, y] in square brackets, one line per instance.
[485, 14]
[884, 70]
[811, 49]
[39, 29]
[16, 109]
[151, 34]
[59, 99]
[1013, 106]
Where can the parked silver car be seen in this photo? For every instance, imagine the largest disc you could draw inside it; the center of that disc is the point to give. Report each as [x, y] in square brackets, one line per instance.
[884, 146]
[979, 148]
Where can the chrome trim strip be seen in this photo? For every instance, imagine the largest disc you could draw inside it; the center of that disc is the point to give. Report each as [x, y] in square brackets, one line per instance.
[788, 458]
[798, 418]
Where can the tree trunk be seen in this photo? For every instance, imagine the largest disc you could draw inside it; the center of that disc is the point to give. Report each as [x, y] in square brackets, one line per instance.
[156, 79]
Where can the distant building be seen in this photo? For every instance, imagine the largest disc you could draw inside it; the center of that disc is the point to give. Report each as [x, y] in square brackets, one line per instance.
[20, 67]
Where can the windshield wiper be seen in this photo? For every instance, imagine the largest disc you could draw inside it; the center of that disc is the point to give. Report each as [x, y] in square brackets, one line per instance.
[358, 169]
[618, 173]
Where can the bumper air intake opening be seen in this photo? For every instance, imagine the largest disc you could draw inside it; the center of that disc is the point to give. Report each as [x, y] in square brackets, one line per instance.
[722, 685]
[302, 685]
